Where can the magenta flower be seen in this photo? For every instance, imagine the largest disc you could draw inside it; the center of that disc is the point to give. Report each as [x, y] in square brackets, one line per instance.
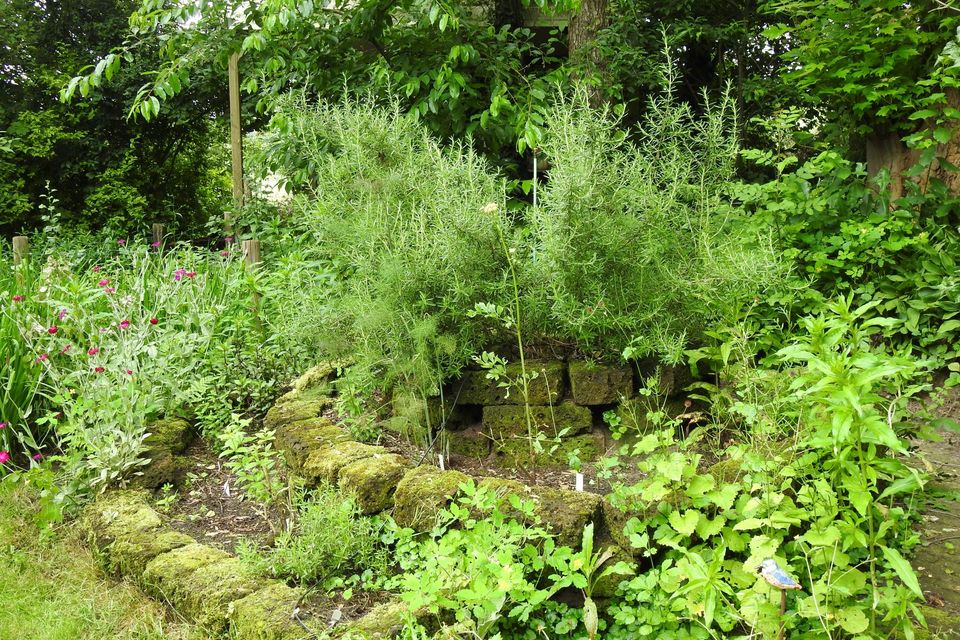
[110, 290]
[52, 330]
[65, 349]
[4, 457]
[98, 369]
[191, 274]
[62, 314]
[129, 372]
[92, 351]
[225, 254]
[121, 242]
[103, 283]
[18, 298]
[3, 425]
[154, 321]
[37, 457]
[228, 239]
[178, 274]
[156, 245]
[42, 357]
[124, 324]
[96, 268]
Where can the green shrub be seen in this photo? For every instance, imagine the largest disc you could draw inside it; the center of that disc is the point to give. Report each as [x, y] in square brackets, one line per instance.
[404, 219]
[634, 242]
[330, 538]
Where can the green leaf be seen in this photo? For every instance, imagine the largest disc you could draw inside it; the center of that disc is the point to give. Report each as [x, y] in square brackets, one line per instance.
[852, 620]
[903, 569]
[748, 524]
[942, 135]
[684, 524]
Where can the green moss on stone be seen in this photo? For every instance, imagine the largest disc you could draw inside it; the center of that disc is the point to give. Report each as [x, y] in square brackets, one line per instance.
[511, 420]
[266, 614]
[118, 514]
[606, 587]
[565, 513]
[199, 582]
[597, 384]
[324, 464]
[941, 624]
[473, 442]
[171, 434]
[297, 439]
[422, 493]
[517, 452]
[372, 481]
[548, 387]
[295, 411]
[130, 554]
[381, 622]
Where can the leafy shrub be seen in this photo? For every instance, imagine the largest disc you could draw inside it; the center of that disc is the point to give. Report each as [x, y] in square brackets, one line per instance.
[329, 538]
[404, 221]
[635, 243]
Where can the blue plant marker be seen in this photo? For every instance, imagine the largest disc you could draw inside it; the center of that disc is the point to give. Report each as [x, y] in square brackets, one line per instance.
[776, 576]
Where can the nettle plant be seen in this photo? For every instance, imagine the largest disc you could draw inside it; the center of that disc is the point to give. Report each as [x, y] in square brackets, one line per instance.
[120, 343]
[832, 505]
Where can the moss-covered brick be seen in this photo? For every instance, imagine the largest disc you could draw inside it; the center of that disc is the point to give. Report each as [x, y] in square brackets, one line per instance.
[472, 442]
[517, 452]
[171, 434]
[200, 582]
[118, 514]
[941, 624]
[324, 464]
[561, 511]
[162, 468]
[597, 384]
[641, 415]
[508, 421]
[606, 587]
[295, 411]
[380, 623]
[406, 428]
[297, 439]
[422, 493]
[565, 513]
[372, 481]
[549, 385]
[266, 614]
[130, 554]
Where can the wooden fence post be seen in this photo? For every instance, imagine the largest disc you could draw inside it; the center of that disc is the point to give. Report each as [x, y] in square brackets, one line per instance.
[21, 249]
[159, 234]
[236, 138]
[251, 259]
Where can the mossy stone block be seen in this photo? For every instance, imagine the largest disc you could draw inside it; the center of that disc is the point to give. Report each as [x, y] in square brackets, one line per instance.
[597, 384]
[266, 614]
[517, 452]
[422, 493]
[199, 582]
[170, 434]
[642, 415]
[941, 624]
[606, 587]
[371, 482]
[507, 421]
[130, 554]
[324, 464]
[295, 411]
[472, 443]
[118, 514]
[297, 439]
[383, 621]
[549, 385]
[406, 428]
[565, 513]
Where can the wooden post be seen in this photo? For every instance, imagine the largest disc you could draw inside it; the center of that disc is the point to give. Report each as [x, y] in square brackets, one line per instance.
[251, 259]
[236, 139]
[21, 249]
[158, 233]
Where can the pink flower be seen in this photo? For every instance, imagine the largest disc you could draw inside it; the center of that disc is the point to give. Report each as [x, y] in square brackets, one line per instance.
[3, 425]
[103, 283]
[52, 330]
[42, 357]
[4, 457]
[62, 314]
[154, 321]
[124, 324]
[110, 290]
[191, 274]
[98, 369]
[156, 245]
[224, 254]
[18, 298]
[121, 242]
[65, 349]
[104, 329]
[129, 372]
[228, 239]
[178, 274]
[96, 268]
[92, 351]
[37, 457]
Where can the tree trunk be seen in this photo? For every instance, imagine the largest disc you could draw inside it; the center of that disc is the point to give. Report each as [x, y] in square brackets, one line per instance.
[581, 37]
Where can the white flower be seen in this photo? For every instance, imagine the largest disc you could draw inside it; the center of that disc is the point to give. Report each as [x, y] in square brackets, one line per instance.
[489, 208]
